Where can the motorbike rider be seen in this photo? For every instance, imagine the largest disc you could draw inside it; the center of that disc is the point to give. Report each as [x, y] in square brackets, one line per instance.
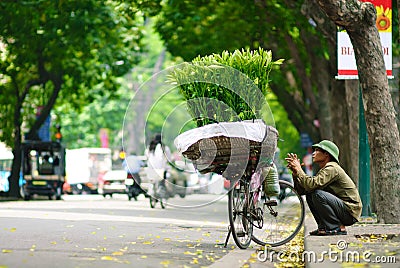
[132, 165]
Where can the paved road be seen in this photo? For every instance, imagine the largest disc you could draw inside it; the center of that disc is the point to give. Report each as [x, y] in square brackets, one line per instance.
[91, 231]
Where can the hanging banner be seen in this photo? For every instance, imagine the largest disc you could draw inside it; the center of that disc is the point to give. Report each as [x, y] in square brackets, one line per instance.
[347, 67]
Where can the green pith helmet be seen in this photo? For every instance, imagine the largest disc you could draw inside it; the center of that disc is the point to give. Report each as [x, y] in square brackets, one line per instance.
[329, 147]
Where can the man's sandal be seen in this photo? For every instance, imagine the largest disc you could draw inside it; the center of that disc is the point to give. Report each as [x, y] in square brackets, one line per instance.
[336, 231]
[318, 232]
[323, 232]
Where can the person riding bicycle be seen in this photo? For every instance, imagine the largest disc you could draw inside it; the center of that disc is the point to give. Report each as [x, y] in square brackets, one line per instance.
[158, 156]
[331, 195]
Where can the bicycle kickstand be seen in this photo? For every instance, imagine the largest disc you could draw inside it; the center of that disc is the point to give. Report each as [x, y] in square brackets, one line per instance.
[227, 237]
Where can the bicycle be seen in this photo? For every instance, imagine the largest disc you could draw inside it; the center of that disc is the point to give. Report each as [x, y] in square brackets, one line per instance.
[157, 191]
[253, 216]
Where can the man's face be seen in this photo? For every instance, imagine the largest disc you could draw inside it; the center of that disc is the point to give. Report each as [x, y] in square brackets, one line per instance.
[319, 155]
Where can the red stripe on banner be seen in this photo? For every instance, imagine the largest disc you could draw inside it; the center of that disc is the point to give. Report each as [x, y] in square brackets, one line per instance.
[384, 3]
[355, 72]
[347, 72]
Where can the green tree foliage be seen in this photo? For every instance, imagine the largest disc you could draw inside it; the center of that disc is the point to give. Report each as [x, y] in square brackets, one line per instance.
[62, 52]
[193, 28]
[79, 128]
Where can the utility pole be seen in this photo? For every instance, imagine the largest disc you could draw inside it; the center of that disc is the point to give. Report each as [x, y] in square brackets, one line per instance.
[364, 184]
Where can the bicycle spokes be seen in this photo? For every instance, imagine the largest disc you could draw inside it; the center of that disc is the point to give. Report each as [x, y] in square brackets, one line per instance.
[283, 218]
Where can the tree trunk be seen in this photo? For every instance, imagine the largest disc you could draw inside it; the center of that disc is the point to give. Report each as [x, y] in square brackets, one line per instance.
[142, 102]
[359, 21]
[340, 119]
[16, 164]
[33, 132]
[352, 101]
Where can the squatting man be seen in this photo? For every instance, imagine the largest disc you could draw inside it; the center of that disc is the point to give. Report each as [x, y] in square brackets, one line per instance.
[331, 195]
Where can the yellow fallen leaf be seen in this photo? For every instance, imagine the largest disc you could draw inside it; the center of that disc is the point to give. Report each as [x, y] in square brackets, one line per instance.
[189, 253]
[53, 242]
[144, 257]
[6, 251]
[195, 261]
[165, 262]
[167, 239]
[107, 258]
[13, 229]
[164, 251]
[117, 253]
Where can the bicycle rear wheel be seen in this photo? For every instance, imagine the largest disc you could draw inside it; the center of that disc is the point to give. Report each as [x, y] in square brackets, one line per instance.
[239, 214]
[162, 193]
[283, 217]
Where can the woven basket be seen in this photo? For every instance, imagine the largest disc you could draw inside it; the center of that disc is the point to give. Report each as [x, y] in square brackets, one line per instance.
[233, 155]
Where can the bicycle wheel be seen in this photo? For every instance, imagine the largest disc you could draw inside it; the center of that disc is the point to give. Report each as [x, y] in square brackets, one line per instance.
[153, 201]
[282, 217]
[162, 195]
[152, 195]
[239, 214]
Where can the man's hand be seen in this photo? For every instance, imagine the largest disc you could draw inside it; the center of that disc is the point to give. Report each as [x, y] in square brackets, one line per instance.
[293, 163]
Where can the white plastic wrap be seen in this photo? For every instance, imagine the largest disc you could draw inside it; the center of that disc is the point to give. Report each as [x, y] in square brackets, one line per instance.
[249, 129]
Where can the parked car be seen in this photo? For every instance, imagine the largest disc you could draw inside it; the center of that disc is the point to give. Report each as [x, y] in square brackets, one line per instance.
[113, 182]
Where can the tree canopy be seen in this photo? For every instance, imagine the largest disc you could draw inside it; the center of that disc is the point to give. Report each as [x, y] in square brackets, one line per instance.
[62, 52]
[304, 34]
[192, 28]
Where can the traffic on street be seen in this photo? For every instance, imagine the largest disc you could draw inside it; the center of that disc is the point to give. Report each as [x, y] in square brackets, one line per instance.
[93, 231]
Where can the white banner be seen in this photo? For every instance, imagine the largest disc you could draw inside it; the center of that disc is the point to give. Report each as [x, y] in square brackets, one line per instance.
[347, 67]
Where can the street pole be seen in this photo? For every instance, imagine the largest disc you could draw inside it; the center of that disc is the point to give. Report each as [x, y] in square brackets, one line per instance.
[364, 184]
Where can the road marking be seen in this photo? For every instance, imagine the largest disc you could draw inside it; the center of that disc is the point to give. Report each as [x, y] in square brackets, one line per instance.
[52, 215]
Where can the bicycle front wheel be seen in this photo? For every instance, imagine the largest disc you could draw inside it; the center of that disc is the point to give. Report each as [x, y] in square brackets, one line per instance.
[283, 216]
[162, 195]
[239, 206]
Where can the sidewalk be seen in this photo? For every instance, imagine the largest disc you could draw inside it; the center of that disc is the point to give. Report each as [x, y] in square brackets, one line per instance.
[365, 245]
[374, 245]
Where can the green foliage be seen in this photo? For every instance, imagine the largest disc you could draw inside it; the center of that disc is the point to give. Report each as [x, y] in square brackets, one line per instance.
[193, 28]
[226, 86]
[289, 139]
[77, 47]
